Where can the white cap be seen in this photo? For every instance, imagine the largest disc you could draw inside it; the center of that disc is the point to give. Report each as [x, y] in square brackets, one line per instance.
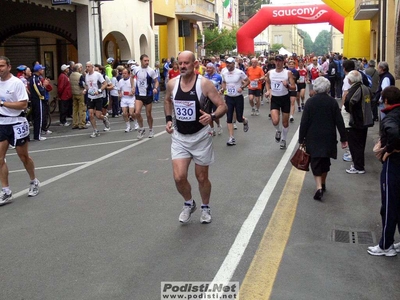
[64, 67]
[230, 60]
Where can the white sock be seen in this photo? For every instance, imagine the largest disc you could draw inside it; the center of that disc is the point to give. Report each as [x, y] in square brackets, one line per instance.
[277, 127]
[285, 132]
[189, 202]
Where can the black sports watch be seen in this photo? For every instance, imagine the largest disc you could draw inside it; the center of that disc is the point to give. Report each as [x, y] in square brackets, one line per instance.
[213, 117]
[2, 103]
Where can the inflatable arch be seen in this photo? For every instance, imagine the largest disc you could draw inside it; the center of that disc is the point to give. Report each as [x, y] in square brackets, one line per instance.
[284, 15]
[306, 14]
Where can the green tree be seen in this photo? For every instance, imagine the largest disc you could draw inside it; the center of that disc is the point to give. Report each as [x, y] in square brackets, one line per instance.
[276, 47]
[322, 44]
[248, 8]
[219, 42]
[308, 43]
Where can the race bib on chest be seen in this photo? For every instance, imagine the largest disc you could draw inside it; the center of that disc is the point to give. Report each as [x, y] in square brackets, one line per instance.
[277, 86]
[254, 84]
[231, 90]
[301, 79]
[21, 130]
[142, 83]
[185, 111]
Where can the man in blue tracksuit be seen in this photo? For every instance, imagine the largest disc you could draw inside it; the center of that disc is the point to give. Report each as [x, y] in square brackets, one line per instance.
[388, 151]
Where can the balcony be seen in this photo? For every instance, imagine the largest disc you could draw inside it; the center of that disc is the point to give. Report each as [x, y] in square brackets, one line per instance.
[366, 10]
[199, 10]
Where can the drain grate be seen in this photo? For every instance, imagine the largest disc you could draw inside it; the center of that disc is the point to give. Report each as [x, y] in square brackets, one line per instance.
[361, 237]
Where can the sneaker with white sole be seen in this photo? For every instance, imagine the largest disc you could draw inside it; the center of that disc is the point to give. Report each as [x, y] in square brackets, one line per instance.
[257, 112]
[47, 132]
[278, 136]
[353, 170]
[219, 130]
[106, 123]
[141, 133]
[151, 133]
[282, 145]
[42, 138]
[95, 134]
[186, 212]
[128, 128]
[231, 141]
[253, 111]
[234, 126]
[378, 251]
[205, 217]
[5, 198]
[347, 156]
[34, 188]
[246, 125]
[136, 125]
[397, 247]
[214, 133]
[291, 119]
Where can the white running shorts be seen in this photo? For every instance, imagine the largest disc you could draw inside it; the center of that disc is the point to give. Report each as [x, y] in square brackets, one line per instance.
[197, 146]
[128, 102]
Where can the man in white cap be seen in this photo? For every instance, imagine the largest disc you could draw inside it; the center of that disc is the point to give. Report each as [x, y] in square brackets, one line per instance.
[64, 93]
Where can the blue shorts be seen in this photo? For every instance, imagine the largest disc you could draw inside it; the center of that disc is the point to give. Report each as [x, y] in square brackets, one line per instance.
[7, 134]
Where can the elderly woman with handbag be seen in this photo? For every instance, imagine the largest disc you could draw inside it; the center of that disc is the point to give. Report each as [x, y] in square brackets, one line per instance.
[321, 117]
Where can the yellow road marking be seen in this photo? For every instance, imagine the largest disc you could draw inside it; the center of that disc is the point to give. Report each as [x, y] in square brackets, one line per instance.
[260, 277]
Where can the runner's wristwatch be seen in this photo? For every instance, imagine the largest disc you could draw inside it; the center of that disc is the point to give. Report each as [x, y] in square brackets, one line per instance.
[2, 103]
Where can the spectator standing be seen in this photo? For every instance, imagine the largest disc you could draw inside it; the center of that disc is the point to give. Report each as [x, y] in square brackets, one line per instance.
[388, 151]
[321, 117]
[64, 93]
[371, 71]
[78, 99]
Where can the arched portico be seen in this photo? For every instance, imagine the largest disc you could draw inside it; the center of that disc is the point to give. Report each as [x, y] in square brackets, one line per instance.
[117, 46]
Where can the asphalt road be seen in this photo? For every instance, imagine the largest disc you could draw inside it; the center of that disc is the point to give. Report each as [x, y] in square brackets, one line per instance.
[105, 224]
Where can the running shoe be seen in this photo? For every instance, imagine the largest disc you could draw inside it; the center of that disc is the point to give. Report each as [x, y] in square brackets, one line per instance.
[253, 111]
[219, 130]
[47, 132]
[246, 125]
[278, 136]
[95, 134]
[141, 133]
[257, 112]
[299, 109]
[34, 188]
[106, 123]
[282, 145]
[213, 132]
[269, 116]
[262, 102]
[302, 106]
[136, 125]
[231, 141]
[234, 126]
[151, 133]
[186, 212]
[397, 247]
[378, 251]
[128, 128]
[347, 156]
[291, 119]
[42, 138]
[5, 198]
[353, 170]
[205, 217]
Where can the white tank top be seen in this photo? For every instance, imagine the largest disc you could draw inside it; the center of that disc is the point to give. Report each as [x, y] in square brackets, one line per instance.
[277, 87]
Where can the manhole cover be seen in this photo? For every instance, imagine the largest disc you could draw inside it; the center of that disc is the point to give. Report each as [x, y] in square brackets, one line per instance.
[361, 237]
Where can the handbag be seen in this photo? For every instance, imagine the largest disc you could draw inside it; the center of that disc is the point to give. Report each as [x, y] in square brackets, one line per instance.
[301, 159]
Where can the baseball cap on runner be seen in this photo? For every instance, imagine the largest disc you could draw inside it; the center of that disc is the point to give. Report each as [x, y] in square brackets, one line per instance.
[230, 60]
[279, 57]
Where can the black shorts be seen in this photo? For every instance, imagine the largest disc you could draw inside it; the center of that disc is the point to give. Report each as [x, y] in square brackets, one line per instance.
[234, 104]
[293, 93]
[96, 104]
[281, 103]
[145, 99]
[320, 165]
[7, 134]
[301, 86]
[256, 93]
[105, 102]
